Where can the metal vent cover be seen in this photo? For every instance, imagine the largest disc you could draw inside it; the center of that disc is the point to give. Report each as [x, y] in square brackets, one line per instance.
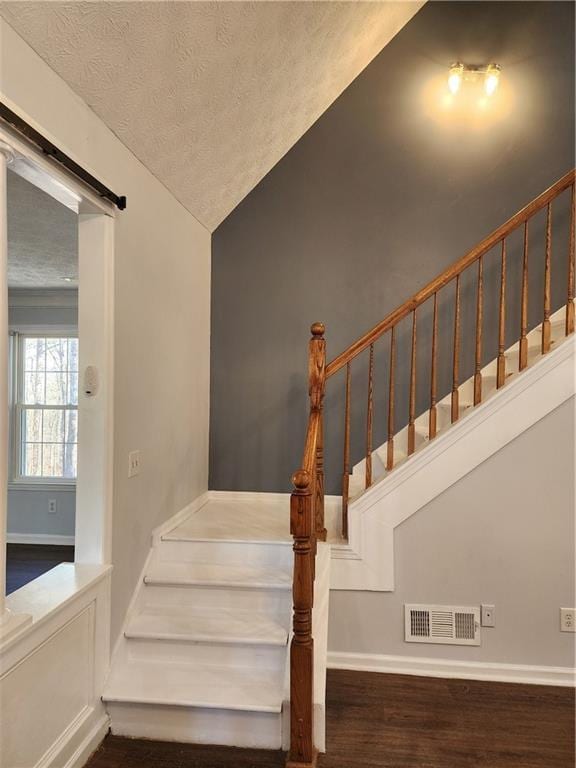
[444, 624]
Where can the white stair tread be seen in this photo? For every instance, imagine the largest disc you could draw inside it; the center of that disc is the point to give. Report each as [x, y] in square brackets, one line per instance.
[218, 625]
[183, 685]
[217, 575]
[236, 520]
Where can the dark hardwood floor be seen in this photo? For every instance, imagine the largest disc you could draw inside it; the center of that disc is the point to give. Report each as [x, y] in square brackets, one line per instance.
[399, 721]
[25, 562]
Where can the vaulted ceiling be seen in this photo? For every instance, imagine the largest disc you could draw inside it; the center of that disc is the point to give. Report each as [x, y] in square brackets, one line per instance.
[208, 95]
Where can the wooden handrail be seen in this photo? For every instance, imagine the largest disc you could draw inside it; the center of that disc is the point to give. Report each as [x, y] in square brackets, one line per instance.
[449, 274]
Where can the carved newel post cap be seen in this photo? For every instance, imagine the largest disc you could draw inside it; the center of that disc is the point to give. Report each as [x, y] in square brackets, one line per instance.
[301, 479]
[317, 330]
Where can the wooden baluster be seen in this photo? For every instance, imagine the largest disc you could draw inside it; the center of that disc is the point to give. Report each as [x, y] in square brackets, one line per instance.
[456, 353]
[571, 268]
[369, 414]
[432, 418]
[302, 752]
[346, 473]
[546, 325]
[501, 366]
[479, 318]
[523, 343]
[316, 386]
[412, 403]
[390, 445]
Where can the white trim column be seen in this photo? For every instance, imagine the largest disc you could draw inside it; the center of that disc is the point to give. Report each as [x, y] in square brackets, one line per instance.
[9, 623]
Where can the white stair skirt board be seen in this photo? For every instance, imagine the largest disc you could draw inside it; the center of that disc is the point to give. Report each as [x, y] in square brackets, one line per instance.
[204, 652]
[366, 561]
[464, 670]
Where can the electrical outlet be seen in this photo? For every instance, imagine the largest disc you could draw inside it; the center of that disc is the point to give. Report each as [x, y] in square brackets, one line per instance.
[488, 615]
[567, 619]
[133, 463]
[52, 508]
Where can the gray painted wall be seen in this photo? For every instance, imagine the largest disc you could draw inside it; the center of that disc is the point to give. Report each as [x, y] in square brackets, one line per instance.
[386, 190]
[502, 535]
[28, 506]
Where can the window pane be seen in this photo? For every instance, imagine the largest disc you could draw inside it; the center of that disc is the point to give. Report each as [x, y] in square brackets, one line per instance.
[73, 389]
[34, 354]
[70, 469]
[71, 433]
[32, 459]
[32, 425]
[56, 354]
[33, 387]
[53, 426]
[72, 354]
[56, 388]
[52, 460]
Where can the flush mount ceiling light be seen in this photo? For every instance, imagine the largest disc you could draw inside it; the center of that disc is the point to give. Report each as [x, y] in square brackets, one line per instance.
[459, 72]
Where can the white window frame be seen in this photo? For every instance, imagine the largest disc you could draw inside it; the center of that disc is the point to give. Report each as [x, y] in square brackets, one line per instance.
[17, 335]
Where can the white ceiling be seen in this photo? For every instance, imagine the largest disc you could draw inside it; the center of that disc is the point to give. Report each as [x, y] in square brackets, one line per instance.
[42, 238]
[209, 95]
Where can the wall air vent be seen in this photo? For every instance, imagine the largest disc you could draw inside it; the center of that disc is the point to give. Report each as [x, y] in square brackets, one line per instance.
[449, 624]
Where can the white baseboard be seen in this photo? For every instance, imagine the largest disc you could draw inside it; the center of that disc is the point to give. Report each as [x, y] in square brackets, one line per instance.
[465, 670]
[90, 743]
[40, 538]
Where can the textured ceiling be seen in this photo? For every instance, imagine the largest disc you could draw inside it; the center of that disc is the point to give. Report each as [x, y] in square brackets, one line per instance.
[209, 95]
[42, 238]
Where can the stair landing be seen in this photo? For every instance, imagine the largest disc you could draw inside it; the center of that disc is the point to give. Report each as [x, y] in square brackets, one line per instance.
[237, 520]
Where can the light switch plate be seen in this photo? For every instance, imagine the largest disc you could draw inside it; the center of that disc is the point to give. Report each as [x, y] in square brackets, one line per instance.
[133, 463]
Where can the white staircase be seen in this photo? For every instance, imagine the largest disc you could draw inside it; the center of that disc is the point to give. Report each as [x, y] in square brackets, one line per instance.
[204, 653]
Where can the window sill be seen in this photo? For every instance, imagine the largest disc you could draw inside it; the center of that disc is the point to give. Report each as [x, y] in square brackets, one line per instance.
[26, 485]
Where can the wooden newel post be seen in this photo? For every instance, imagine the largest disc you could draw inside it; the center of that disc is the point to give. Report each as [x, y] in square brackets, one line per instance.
[302, 752]
[316, 384]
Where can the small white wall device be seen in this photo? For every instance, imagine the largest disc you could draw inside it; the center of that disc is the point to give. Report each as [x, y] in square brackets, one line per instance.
[90, 385]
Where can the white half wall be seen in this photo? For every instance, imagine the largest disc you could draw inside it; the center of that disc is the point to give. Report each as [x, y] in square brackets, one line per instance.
[162, 322]
[52, 673]
[501, 535]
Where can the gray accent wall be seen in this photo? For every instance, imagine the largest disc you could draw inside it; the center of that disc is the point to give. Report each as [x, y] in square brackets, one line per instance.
[503, 535]
[388, 188]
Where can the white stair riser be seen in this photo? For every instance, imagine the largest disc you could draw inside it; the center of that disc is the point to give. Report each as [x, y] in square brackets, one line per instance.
[207, 653]
[401, 441]
[274, 602]
[228, 553]
[261, 730]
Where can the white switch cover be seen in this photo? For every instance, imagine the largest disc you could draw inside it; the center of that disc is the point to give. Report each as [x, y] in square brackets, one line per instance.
[133, 463]
[488, 615]
[568, 619]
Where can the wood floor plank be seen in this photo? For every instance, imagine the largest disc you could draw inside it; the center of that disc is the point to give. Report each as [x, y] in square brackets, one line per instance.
[25, 562]
[401, 721]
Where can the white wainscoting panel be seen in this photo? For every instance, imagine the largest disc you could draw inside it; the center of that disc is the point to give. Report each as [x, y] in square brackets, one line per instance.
[52, 673]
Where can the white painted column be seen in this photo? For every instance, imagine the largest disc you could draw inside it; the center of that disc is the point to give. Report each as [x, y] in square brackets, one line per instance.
[9, 623]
